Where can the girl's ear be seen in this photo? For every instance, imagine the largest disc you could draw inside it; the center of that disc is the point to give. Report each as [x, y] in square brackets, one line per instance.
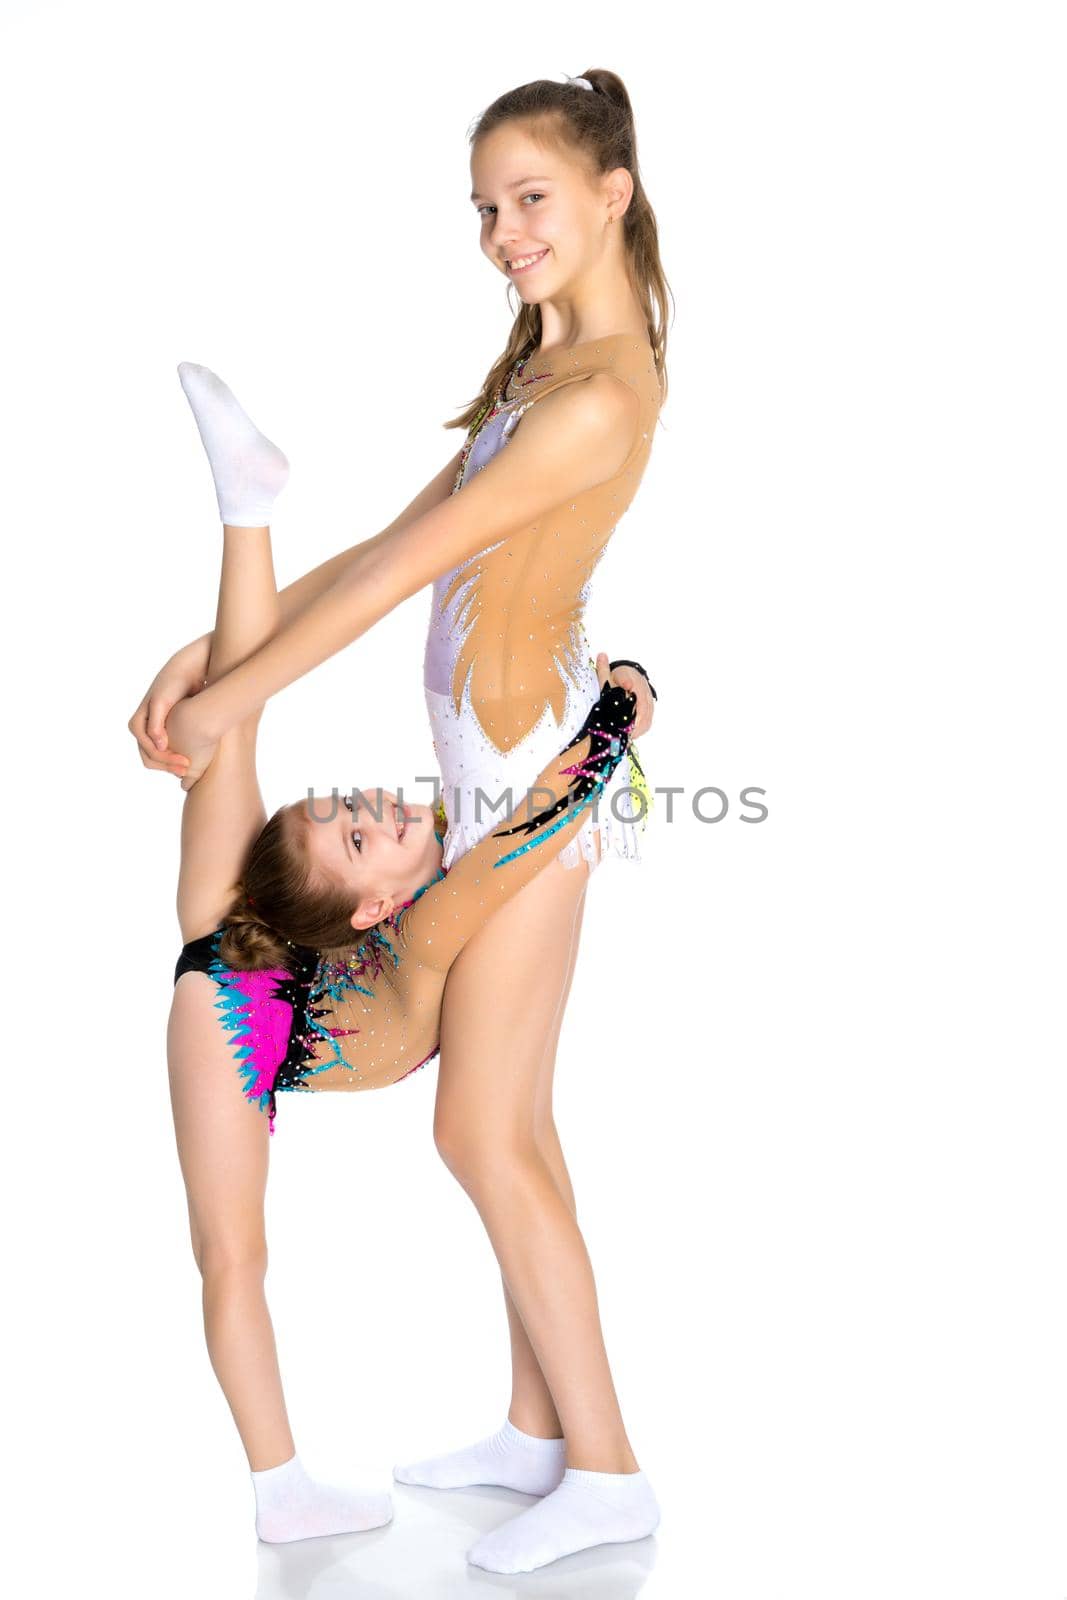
[368, 912]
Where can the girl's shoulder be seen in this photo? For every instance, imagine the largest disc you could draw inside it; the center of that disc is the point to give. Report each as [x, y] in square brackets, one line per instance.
[625, 356]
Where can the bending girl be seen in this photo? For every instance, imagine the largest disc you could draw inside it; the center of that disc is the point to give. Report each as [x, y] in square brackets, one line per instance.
[303, 1021]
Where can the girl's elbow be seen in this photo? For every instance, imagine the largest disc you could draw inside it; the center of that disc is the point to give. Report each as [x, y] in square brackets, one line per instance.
[394, 573]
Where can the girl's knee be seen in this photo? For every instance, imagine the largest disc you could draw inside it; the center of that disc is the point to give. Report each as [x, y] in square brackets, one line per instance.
[484, 1157]
[462, 1140]
[231, 1255]
[453, 1144]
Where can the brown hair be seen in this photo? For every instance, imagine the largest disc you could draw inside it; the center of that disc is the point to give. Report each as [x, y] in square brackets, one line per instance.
[281, 903]
[598, 128]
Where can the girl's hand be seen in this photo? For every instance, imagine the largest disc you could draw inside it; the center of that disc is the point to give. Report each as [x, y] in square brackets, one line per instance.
[637, 683]
[182, 675]
[184, 728]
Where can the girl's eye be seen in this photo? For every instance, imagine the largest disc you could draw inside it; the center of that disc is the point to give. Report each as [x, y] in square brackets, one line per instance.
[357, 837]
[533, 195]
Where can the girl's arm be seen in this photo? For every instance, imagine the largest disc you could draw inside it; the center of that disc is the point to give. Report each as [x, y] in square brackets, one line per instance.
[582, 438]
[222, 816]
[542, 823]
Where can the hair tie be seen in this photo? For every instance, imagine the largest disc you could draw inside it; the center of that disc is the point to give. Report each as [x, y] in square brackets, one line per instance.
[583, 83]
[267, 924]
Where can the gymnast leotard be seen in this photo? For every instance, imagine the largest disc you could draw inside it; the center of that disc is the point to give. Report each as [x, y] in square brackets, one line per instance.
[372, 1019]
[507, 670]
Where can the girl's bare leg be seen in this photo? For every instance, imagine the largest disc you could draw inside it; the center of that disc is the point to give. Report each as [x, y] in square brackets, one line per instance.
[492, 1063]
[528, 1452]
[223, 1152]
[532, 1408]
[222, 1139]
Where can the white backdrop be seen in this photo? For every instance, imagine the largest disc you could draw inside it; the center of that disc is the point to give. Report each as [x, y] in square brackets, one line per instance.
[819, 1157]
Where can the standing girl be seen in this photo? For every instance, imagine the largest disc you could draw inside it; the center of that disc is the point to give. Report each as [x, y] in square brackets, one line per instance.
[507, 673]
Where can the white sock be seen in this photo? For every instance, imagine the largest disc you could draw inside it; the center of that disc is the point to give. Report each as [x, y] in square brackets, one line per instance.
[249, 471]
[509, 1459]
[586, 1509]
[290, 1505]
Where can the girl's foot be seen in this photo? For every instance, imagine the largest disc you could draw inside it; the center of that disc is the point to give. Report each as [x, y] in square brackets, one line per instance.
[290, 1505]
[588, 1508]
[509, 1459]
[249, 471]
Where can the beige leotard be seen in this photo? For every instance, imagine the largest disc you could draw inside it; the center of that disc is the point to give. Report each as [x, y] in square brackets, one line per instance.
[508, 626]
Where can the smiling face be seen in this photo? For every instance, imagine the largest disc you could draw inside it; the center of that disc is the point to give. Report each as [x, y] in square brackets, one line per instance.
[544, 217]
[367, 841]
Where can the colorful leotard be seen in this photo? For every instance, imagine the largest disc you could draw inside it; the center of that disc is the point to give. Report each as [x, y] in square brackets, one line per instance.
[507, 672]
[369, 1021]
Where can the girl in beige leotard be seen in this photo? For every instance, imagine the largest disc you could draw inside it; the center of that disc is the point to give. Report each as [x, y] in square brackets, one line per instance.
[507, 667]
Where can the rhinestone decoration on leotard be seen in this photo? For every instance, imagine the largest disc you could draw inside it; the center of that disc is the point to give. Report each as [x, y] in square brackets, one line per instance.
[259, 1009]
[485, 415]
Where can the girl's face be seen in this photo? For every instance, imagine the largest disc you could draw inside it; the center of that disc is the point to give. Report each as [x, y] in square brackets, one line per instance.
[367, 839]
[537, 204]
